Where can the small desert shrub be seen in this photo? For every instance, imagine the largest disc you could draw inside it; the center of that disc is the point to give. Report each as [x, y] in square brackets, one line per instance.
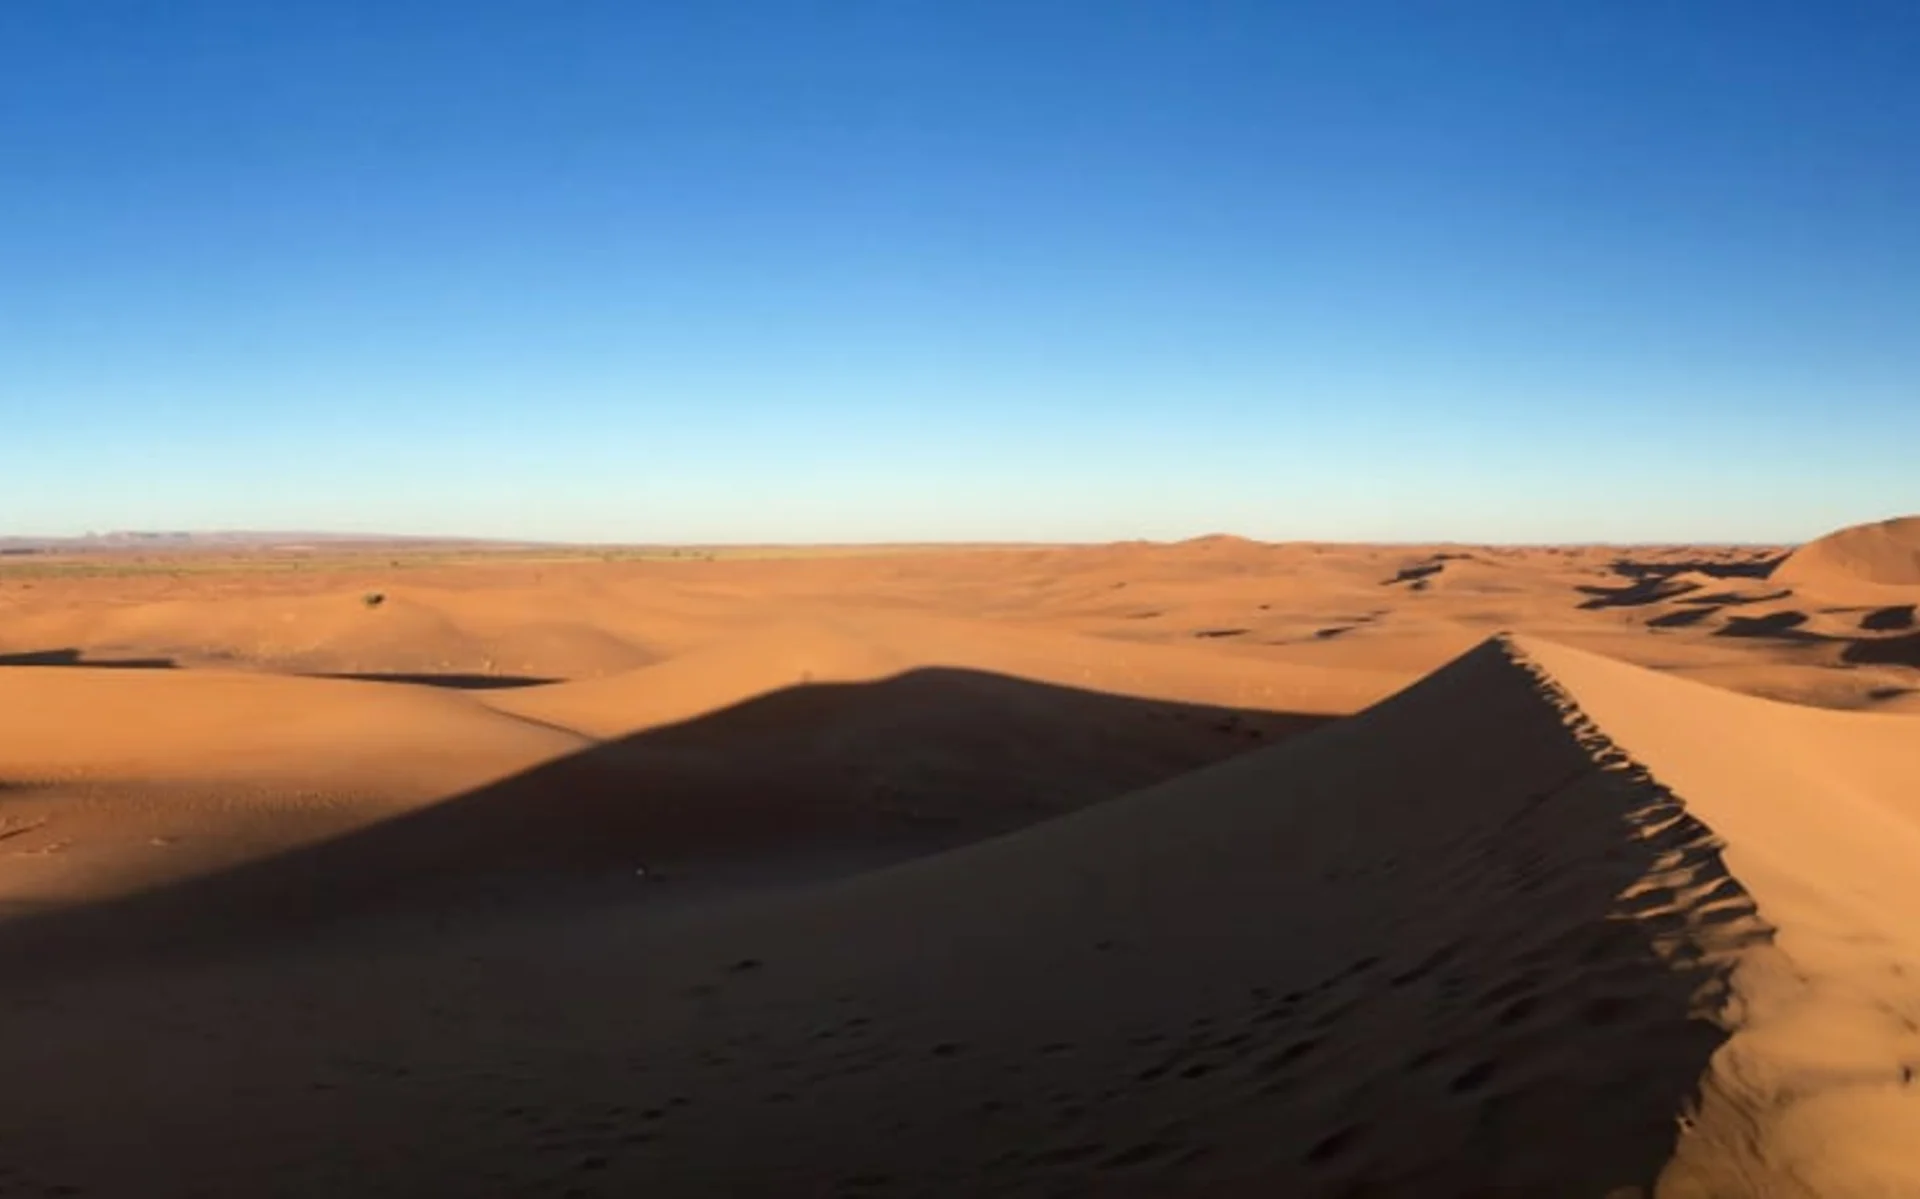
[373, 599]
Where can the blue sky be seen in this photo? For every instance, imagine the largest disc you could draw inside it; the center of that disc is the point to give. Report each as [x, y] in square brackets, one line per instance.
[1535, 270]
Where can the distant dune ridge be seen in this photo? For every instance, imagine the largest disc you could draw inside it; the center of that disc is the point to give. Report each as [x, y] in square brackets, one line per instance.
[1886, 552]
[1217, 869]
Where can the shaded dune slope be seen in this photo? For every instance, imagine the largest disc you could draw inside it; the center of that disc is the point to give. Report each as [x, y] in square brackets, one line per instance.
[1460, 944]
[135, 778]
[806, 781]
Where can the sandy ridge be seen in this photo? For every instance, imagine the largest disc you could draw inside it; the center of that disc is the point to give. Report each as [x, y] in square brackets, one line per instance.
[1813, 1094]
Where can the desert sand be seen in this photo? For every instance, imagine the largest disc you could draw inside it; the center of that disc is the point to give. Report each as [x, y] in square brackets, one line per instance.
[1217, 868]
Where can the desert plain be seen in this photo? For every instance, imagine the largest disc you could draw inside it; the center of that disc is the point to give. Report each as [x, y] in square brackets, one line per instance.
[1215, 868]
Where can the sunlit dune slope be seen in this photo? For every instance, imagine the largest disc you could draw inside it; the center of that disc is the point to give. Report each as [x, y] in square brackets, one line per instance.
[1820, 815]
[66, 723]
[1883, 553]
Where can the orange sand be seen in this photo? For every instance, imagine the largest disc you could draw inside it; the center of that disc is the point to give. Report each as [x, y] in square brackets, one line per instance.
[1209, 869]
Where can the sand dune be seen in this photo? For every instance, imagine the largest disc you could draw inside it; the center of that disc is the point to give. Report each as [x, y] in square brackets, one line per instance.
[1217, 868]
[1819, 813]
[802, 782]
[325, 627]
[865, 645]
[133, 777]
[1495, 934]
[124, 778]
[1885, 553]
[209, 726]
[1336, 609]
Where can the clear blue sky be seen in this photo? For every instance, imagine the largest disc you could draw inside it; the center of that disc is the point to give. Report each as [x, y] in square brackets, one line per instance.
[901, 269]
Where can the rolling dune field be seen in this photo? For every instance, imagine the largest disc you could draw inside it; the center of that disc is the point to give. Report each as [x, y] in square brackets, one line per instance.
[1216, 868]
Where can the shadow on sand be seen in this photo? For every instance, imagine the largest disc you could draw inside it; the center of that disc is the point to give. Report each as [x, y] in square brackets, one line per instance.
[1636, 568]
[75, 657]
[1290, 965]
[455, 682]
[1783, 626]
[1650, 582]
[1884, 651]
[1653, 583]
[812, 776]
[1890, 619]
[459, 682]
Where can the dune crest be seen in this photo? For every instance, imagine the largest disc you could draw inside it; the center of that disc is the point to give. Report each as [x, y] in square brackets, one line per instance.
[1884, 553]
[1819, 823]
[1469, 940]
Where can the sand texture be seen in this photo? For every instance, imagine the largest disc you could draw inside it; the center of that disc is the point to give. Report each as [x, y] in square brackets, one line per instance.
[1210, 869]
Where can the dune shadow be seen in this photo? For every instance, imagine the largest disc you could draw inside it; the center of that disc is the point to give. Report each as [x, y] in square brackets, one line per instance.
[1649, 589]
[76, 657]
[1785, 626]
[1417, 574]
[1733, 599]
[456, 682]
[1889, 619]
[815, 773]
[1683, 617]
[1641, 568]
[1651, 581]
[1884, 651]
[1782, 625]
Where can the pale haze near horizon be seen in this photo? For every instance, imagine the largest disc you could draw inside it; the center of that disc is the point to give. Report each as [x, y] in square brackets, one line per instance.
[1502, 272]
